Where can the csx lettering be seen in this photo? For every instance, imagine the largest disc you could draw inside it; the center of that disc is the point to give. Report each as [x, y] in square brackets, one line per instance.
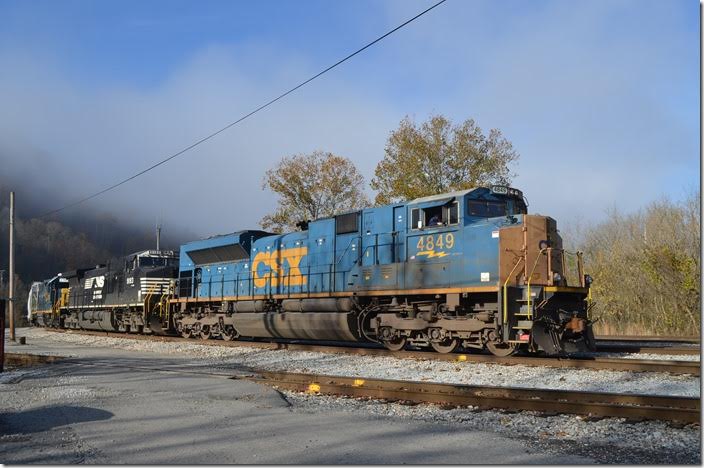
[273, 265]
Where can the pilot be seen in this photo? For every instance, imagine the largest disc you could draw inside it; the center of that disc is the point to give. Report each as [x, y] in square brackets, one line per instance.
[435, 220]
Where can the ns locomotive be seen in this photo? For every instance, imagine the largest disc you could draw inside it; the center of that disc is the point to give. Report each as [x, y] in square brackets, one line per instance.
[108, 297]
[470, 268]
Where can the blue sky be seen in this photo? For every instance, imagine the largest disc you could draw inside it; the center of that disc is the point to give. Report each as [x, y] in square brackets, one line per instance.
[600, 98]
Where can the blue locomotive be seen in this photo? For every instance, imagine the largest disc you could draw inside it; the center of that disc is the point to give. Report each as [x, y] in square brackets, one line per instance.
[469, 268]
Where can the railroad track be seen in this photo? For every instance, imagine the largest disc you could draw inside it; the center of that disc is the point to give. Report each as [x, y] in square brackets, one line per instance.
[633, 407]
[607, 347]
[633, 365]
[680, 410]
[650, 338]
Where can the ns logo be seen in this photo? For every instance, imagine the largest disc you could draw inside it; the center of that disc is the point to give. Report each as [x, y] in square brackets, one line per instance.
[279, 267]
[95, 282]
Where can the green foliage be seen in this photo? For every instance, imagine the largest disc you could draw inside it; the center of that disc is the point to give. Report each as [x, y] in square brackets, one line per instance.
[312, 186]
[438, 157]
[646, 269]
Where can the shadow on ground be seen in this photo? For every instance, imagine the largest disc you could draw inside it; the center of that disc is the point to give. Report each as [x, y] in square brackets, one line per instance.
[48, 417]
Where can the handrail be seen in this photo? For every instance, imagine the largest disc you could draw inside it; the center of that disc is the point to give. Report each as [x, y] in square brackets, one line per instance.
[376, 245]
[580, 266]
[151, 292]
[55, 307]
[530, 313]
[505, 298]
[349, 244]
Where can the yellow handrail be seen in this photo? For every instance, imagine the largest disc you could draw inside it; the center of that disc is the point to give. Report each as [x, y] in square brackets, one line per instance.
[150, 293]
[510, 275]
[55, 307]
[530, 313]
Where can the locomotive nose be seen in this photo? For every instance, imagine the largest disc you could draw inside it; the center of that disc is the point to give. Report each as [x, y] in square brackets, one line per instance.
[574, 335]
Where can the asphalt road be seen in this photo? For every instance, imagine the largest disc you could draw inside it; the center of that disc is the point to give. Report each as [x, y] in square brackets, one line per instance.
[110, 406]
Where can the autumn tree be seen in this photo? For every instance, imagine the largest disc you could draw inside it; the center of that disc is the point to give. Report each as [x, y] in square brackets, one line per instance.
[312, 186]
[646, 269]
[439, 156]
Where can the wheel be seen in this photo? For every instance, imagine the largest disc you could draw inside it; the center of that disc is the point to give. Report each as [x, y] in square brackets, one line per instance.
[501, 349]
[186, 332]
[445, 346]
[205, 332]
[229, 333]
[395, 344]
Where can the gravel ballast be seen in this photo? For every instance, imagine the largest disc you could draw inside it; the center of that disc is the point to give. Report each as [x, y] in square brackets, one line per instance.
[608, 440]
[467, 373]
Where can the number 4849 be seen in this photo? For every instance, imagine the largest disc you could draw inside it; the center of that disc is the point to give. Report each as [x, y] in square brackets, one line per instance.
[441, 241]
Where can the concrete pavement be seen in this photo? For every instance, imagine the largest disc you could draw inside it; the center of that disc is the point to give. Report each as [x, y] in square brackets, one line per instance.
[111, 406]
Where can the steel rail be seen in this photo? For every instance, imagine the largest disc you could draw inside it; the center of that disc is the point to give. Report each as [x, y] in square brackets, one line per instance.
[599, 363]
[637, 349]
[650, 338]
[630, 406]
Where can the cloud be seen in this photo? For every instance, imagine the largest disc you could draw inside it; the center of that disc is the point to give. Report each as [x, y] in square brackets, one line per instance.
[89, 139]
[600, 99]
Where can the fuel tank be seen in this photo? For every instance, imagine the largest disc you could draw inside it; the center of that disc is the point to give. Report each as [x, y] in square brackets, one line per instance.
[96, 320]
[334, 326]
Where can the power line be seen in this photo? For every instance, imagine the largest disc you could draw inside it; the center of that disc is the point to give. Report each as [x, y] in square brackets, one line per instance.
[260, 108]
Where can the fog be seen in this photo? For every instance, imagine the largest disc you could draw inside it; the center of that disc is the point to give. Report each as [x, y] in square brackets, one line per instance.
[598, 98]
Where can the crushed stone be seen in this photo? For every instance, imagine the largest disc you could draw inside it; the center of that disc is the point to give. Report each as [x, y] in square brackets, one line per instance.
[467, 373]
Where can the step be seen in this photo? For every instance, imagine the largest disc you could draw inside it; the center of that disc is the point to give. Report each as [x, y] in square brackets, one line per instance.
[534, 293]
[533, 298]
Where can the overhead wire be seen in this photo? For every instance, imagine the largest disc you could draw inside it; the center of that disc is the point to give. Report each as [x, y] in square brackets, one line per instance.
[244, 117]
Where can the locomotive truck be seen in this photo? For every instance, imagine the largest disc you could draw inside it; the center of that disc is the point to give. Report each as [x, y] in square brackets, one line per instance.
[469, 268]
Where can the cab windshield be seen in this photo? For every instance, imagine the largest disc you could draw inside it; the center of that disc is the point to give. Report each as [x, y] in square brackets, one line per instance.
[157, 261]
[486, 208]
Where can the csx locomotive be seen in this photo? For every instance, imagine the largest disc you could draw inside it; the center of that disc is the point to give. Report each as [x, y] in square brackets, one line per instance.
[470, 268]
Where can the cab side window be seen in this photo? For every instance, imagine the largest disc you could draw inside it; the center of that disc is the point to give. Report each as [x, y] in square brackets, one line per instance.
[434, 216]
[415, 218]
[452, 213]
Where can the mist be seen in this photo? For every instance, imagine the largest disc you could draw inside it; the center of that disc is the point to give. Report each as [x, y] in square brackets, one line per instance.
[601, 116]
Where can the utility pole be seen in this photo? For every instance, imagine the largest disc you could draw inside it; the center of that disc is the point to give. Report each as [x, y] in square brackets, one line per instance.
[11, 291]
[158, 236]
[2, 335]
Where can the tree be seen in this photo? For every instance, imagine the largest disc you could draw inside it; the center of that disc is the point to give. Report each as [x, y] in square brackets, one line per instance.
[646, 269]
[438, 157]
[312, 186]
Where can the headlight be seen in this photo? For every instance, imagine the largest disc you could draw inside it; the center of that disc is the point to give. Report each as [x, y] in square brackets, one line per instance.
[556, 277]
[588, 280]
